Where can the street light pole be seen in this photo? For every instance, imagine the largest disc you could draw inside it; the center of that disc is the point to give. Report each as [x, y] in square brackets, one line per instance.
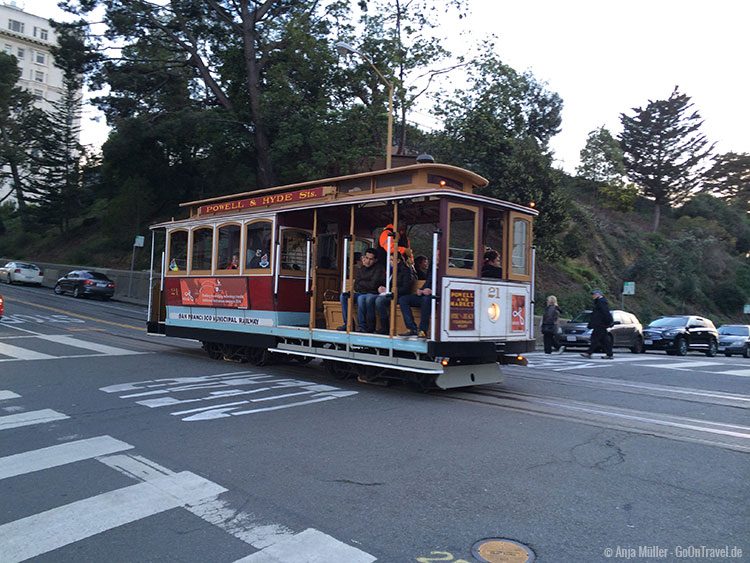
[344, 48]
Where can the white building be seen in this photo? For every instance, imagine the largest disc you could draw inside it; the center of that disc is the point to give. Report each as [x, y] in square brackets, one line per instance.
[29, 38]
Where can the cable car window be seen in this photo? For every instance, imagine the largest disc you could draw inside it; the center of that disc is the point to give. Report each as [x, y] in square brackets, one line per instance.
[203, 240]
[178, 244]
[229, 248]
[519, 254]
[327, 247]
[391, 180]
[492, 231]
[293, 250]
[258, 255]
[462, 240]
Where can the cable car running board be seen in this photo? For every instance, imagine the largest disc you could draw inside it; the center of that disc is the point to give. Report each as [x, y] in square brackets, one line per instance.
[401, 364]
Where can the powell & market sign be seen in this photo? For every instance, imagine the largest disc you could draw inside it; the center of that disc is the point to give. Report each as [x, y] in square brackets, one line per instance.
[265, 200]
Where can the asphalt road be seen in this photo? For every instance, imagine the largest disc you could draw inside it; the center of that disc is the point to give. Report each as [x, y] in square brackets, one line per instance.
[119, 446]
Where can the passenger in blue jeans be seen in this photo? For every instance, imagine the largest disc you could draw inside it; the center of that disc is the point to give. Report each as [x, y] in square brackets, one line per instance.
[422, 299]
[368, 279]
[405, 281]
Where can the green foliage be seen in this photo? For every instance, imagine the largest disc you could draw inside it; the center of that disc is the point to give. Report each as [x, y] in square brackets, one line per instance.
[729, 179]
[619, 195]
[729, 297]
[723, 218]
[602, 158]
[664, 148]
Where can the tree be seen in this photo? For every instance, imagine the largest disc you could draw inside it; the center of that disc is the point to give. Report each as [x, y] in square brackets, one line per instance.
[664, 150]
[500, 127]
[602, 158]
[230, 49]
[729, 178]
[18, 133]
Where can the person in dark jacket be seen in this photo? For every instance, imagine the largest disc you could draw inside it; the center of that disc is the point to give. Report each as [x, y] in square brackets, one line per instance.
[491, 268]
[550, 320]
[599, 322]
[422, 299]
[421, 266]
[405, 277]
[368, 278]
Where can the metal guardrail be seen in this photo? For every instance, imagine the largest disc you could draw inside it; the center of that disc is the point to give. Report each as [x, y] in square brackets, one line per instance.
[135, 292]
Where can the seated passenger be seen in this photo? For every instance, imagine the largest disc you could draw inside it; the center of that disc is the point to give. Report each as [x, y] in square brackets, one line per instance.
[492, 265]
[368, 278]
[234, 263]
[421, 265]
[401, 241]
[422, 299]
[405, 277]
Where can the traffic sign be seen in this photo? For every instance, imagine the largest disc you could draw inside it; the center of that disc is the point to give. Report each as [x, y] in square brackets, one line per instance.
[628, 288]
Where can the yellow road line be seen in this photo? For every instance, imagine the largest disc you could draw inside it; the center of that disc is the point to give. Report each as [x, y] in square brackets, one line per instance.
[76, 315]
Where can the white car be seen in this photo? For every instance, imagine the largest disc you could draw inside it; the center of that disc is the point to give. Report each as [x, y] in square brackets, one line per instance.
[21, 272]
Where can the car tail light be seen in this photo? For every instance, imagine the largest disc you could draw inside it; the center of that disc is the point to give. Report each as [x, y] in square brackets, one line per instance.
[41, 273]
[111, 285]
[17, 270]
[88, 282]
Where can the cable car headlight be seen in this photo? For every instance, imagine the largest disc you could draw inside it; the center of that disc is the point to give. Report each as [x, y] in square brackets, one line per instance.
[493, 312]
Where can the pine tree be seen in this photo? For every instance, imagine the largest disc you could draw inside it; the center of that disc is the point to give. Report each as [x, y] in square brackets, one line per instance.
[729, 178]
[664, 150]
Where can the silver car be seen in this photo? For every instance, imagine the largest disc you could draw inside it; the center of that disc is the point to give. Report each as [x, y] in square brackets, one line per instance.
[734, 339]
[627, 331]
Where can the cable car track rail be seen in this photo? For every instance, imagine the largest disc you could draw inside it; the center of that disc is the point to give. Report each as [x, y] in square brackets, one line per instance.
[717, 434]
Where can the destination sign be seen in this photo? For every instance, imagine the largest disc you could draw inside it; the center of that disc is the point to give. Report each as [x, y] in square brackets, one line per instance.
[265, 200]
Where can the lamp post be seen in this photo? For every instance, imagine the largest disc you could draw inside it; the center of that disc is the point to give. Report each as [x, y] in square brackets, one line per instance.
[345, 48]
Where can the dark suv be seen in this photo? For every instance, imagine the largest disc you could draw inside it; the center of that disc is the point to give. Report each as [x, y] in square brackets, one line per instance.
[680, 333]
[627, 331]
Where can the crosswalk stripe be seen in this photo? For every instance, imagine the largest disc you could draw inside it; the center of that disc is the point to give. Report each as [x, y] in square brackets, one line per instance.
[62, 454]
[30, 418]
[4, 395]
[740, 372]
[682, 365]
[34, 535]
[76, 343]
[17, 353]
[310, 546]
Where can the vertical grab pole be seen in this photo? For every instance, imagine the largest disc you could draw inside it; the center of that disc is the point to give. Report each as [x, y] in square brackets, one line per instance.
[350, 258]
[276, 269]
[392, 287]
[433, 305]
[533, 290]
[151, 276]
[308, 250]
[163, 269]
[313, 283]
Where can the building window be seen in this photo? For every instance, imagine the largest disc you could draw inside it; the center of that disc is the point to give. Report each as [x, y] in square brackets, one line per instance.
[39, 57]
[43, 34]
[39, 94]
[38, 76]
[21, 53]
[16, 26]
[9, 49]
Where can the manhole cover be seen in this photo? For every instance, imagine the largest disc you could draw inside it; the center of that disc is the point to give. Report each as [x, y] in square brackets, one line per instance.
[501, 550]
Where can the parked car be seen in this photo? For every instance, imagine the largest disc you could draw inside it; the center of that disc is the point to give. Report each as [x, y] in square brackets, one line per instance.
[83, 283]
[2, 306]
[734, 339]
[21, 272]
[627, 331]
[679, 334]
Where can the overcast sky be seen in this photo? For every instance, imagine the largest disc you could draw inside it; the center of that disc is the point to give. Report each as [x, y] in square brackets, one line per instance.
[604, 58]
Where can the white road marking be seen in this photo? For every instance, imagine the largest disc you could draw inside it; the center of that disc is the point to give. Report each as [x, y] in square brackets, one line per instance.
[686, 365]
[76, 343]
[34, 535]
[310, 546]
[4, 395]
[739, 372]
[55, 456]
[17, 353]
[30, 418]
[273, 540]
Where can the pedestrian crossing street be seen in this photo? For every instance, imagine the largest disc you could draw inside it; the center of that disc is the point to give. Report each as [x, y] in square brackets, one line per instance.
[569, 361]
[36, 346]
[155, 490]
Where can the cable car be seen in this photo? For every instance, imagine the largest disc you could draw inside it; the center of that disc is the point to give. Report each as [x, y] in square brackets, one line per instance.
[279, 271]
